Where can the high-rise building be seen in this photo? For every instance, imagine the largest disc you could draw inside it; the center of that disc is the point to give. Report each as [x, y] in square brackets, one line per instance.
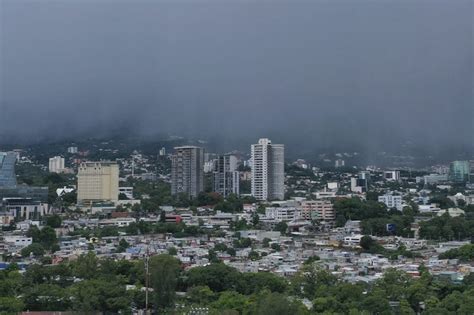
[268, 170]
[187, 170]
[162, 151]
[97, 181]
[72, 150]
[339, 163]
[226, 176]
[7, 170]
[459, 171]
[56, 164]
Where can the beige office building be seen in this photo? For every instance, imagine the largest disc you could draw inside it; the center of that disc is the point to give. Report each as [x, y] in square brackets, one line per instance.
[97, 181]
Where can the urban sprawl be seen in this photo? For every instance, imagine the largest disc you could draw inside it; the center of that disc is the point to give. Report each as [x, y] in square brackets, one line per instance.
[179, 230]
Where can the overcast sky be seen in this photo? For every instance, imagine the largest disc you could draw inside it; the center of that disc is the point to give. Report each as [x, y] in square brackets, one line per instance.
[348, 73]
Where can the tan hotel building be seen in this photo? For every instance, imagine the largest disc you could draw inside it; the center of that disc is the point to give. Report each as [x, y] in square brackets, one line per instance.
[97, 181]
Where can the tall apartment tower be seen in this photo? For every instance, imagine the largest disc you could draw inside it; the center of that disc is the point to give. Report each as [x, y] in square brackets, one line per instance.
[268, 170]
[56, 164]
[187, 170]
[226, 176]
[97, 181]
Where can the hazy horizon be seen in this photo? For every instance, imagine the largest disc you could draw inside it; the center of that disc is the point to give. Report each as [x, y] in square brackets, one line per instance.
[323, 74]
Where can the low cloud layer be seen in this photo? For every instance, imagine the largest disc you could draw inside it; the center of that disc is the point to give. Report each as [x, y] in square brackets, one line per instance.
[369, 74]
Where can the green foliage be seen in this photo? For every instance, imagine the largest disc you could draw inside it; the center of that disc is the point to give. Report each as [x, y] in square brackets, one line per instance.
[99, 295]
[357, 209]
[34, 248]
[46, 236]
[218, 277]
[201, 295]
[164, 271]
[11, 305]
[172, 251]
[123, 245]
[243, 243]
[276, 247]
[53, 221]
[311, 260]
[86, 266]
[464, 253]
[253, 255]
[281, 227]
[446, 228]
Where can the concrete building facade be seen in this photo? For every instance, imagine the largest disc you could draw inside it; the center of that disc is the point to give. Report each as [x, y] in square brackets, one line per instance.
[56, 164]
[187, 170]
[226, 176]
[97, 181]
[392, 201]
[268, 170]
[317, 210]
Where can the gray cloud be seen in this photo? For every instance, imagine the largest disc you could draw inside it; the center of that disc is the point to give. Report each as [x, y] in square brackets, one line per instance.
[317, 73]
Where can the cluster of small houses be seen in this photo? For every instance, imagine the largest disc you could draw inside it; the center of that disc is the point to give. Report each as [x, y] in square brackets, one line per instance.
[337, 248]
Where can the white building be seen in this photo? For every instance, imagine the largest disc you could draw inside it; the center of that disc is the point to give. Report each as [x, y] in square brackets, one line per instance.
[282, 213]
[72, 150]
[431, 208]
[392, 201]
[24, 208]
[339, 163]
[391, 175]
[162, 151]
[18, 240]
[127, 191]
[432, 179]
[56, 164]
[268, 170]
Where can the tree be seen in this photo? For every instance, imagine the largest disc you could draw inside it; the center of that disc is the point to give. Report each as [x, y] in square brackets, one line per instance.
[282, 227]
[276, 247]
[46, 297]
[123, 245]
[218, 277]
[231, 300]
[86, 266]
[53, 221]
[47, 237]
[164, 271]
[253, 255]
[200, 295]
[172, 251]
[99, 295]
[278, 304]
[366, 242]
[311, 260]
[266, 242]
[36, 249]
[256, 282]
[11, 305]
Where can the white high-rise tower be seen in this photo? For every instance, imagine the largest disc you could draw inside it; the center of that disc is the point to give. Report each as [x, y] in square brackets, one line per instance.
[268, 170]
[56, 164]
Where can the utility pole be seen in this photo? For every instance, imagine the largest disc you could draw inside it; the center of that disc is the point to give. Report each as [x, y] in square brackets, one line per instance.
[147, 276]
